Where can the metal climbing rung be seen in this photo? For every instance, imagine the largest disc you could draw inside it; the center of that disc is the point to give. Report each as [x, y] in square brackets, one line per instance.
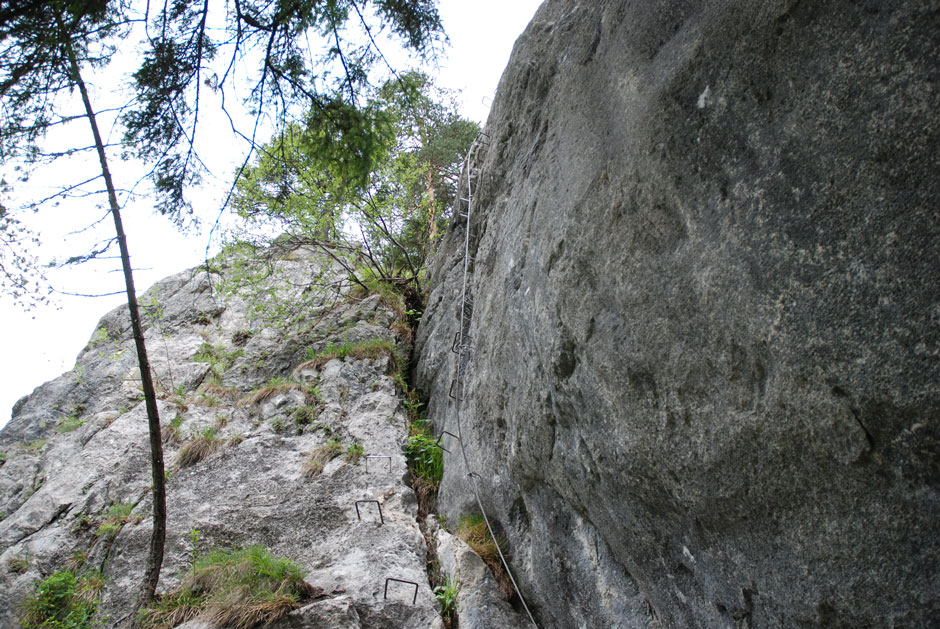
[414, 599]
[440, 440]
[377, 504]
[379, 456]
[462, 344]
[456, 390]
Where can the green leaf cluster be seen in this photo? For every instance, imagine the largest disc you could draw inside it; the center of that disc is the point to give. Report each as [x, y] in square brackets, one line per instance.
[374, 182]
[446, 595]
[425, 456]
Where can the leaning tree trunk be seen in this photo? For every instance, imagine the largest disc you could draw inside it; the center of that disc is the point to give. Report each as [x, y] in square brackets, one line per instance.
[158, 539]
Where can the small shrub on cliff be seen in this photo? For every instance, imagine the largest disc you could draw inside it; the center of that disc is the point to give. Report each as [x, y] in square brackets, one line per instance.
[63, 601]
[425, 456]
[354, 452]
[116, 517]
[239, 588]
[426, 462]
[307, 414]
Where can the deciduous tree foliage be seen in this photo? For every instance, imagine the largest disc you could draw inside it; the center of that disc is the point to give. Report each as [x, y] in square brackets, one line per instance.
[297, 54]
[385, 204]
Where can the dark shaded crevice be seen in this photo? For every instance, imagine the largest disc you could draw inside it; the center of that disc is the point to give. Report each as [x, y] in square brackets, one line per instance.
[415, 399]
[868, 435]
[843, 396]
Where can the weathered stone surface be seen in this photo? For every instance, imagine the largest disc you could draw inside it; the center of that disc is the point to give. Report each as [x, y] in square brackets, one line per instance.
[59, 478]
[479, 602]
[705, 385]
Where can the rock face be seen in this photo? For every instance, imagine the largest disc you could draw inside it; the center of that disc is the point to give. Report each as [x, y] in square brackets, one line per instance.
[78, 446]
[705, 380]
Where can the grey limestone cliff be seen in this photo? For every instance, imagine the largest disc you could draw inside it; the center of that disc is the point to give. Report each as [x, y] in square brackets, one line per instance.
[75, 471]
[705, 380]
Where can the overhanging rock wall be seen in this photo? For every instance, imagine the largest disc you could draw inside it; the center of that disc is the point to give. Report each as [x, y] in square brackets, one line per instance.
[705, 386]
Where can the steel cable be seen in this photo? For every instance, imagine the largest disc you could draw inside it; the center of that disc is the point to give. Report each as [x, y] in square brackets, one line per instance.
[463, 366]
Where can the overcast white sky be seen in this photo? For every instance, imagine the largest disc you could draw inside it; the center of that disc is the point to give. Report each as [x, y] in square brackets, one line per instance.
[40, 345]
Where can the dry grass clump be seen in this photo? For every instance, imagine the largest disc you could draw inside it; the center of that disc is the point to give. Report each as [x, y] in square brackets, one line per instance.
[172, 432]
[199, 447]
[320, 456]
[240, 588]
[403, 331]
[216, 389]
[472, 529]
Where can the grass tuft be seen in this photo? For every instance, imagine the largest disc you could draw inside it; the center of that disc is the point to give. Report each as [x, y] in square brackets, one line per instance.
[322, 455]
[199, 447]
[354, 452]
[239, 588]
[389, 295]
[472, 529]
[446, 595]
[218, 358]
[118, 515]
[372, 348]
[273, 387]
[69, 424]
[18, 565]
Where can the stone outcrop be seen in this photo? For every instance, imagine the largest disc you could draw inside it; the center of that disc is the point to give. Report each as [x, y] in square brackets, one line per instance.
[705, 381]
[78, 446]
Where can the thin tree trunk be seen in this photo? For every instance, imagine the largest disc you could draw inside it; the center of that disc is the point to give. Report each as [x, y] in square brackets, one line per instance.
[432, 205]
[158, 539]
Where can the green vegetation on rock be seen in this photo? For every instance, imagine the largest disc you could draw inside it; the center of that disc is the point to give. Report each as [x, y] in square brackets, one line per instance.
[231, 588]
[63, 601]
